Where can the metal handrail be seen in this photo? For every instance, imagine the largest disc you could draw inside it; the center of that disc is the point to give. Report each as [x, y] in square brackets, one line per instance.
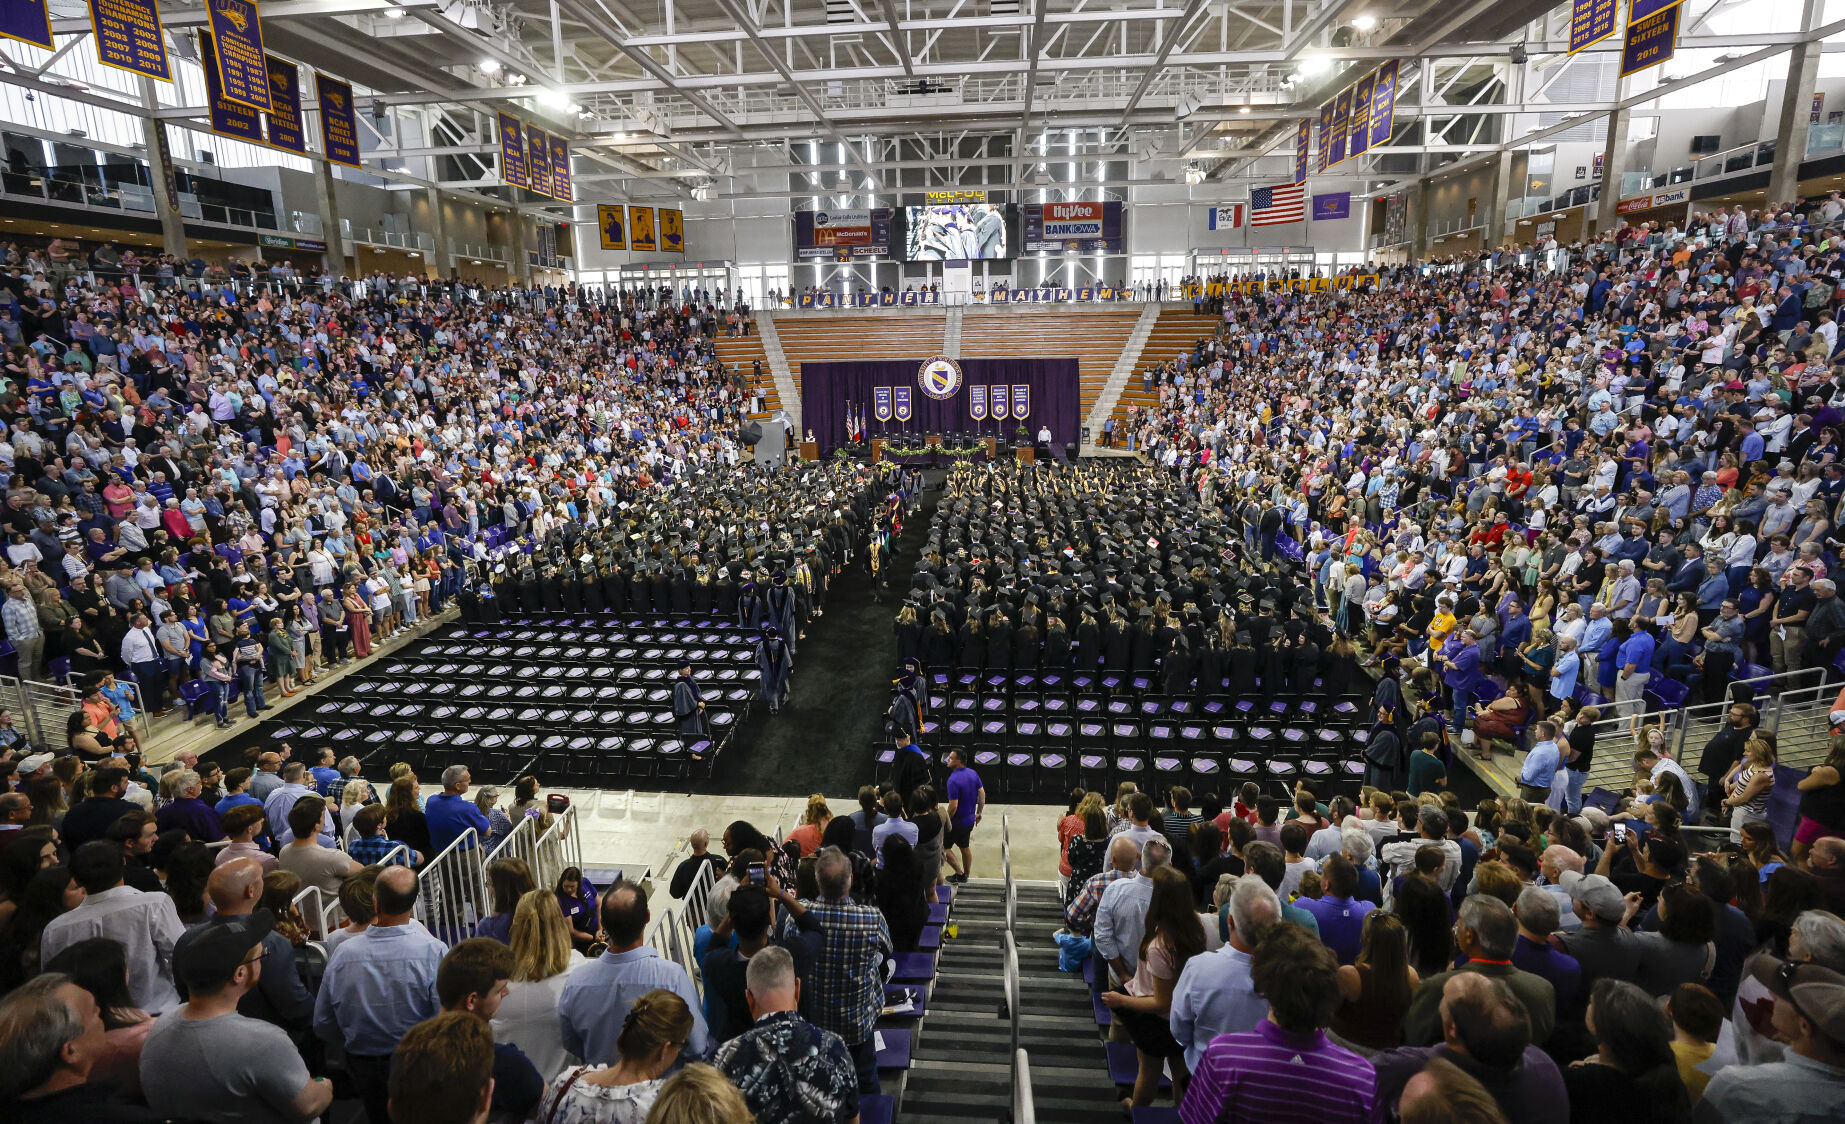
[698, 895]
[453, 888]
[1023, 1110]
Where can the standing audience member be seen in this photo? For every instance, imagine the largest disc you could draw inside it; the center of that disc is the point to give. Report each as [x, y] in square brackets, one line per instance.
[51, 1033]
[146, 924]
[623, 1092]
[442, 1072]
[473, 979]
[1215, 993]
[1486, 1033]
[593, 1006]
[848, 977]
[789, 1070]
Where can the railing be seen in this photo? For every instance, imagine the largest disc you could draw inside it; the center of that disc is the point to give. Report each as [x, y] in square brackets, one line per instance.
[1731, 160]
[1823, 140]
[402, 240]
[43, 709]
[698, 896]
[1023, 1111]
[453, 887]
[321, 916]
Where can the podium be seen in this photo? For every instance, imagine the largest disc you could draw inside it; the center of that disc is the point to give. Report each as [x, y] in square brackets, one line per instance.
[1025, 454]
[810, 450]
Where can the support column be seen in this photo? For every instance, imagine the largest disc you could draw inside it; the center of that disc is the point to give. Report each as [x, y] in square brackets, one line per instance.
[1614, 161]
[1418, 221]
[161, 171]
[1496, 203]
[327, 200]
[1796, 113]
[441, 258]
[522, 265]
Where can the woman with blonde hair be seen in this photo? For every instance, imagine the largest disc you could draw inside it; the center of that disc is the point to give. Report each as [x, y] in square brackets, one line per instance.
[542, 959]
[1749, 783]
[813, 824]
[699, 1094]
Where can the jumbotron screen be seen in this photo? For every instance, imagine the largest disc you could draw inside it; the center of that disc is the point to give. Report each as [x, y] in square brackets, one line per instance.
[956, 232]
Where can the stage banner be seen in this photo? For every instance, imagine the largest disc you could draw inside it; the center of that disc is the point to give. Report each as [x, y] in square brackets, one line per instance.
[977, 402]
[28, 21]
[1021, 400]
[285, 130]
[128, 36]
[1342, 120]
[1384, 103]
[512, 151]
[237, 31]
[612, 226]
[560, 170]
[641, 236]
[880, 403]
[1358, 137]
[672, 230]
[999, 407]
[538, 159]
[339, 129]
[1591, 21]
[1326, 131]
[1650, 41]
[900, 402]
[228, 118]
[1303, 149]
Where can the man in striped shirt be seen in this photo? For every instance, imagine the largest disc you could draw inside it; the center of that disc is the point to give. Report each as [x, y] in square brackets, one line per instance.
[1285, 1070]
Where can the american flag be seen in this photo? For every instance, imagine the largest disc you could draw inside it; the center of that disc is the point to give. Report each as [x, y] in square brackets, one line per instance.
[1272, 206]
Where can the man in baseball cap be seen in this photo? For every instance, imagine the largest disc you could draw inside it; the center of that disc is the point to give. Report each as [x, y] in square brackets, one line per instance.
[1602, 946]
[35, 766]
[1809, 1082]
[204, 1055]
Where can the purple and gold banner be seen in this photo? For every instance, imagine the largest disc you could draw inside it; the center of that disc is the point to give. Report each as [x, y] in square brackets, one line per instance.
[237, 32]
[128, 37]
[998, 405]
[1650, 41]
[339, 126]
[560, 170]
[1591, 21]
[977, 402]
[1302, 149]
[1638, 10]
[1326, 120]
[900, 403]
[228, 118]
[672, 230]
[285, 129]
[1358, 135]
[512, 152]
[1384, 104]
[28, 21]
[1021, 400]
[538, 159]
[880, 403]
[1342, 120]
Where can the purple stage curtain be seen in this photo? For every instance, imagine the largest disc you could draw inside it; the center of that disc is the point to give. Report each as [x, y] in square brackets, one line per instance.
[826, 388]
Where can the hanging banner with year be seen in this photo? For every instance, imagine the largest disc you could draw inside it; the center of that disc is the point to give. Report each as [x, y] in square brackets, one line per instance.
[339, 128]
[1326, 127]
[512, 151]
[284, 115]
[538, 160]
[237, 31]
[1358, 137]
[560, 170]
[128, 37]
[1303, 150]
[1651, 41]
[1383, 104]
[228, 118]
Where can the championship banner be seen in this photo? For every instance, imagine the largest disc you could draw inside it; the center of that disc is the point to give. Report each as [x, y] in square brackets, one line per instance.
[977, 402]
[998, 405]
[1650, 41]
[228, 118]
[1383, 104]
[612, 226]
[237, 32]
[880, 403]
[1358, 136]
[1342, 119]
[1303, 134]
[128, 36]
[1326, 130]
[339, 129]
[900, 403]
[538, 159]
[1638, 10]
[560, 170]
[285, 130]
[28, 21]
[641, 236]
[1021, 400]
[512, 151]
[1591, 21]
[672, 230]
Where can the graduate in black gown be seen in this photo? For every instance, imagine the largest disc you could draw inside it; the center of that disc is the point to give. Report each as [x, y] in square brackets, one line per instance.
[689, 704]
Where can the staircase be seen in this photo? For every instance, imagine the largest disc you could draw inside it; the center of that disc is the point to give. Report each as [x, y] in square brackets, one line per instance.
[1123, 369]
[951, 335]
[785, 389]
[961, 1070]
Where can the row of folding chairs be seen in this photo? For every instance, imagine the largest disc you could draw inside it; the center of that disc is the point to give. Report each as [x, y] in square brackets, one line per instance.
[619, 652]
[1132, 733]
[1107, 682]
[1305, 713]
[583, 628]
[1015, 770]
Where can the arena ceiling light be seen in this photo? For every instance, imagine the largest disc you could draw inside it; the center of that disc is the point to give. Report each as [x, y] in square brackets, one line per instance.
[489, 66]
[1365, 22]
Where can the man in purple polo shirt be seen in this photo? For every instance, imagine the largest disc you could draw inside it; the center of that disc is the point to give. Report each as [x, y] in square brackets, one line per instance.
[1460, 663]
[967, 801]
[1285, 1068]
